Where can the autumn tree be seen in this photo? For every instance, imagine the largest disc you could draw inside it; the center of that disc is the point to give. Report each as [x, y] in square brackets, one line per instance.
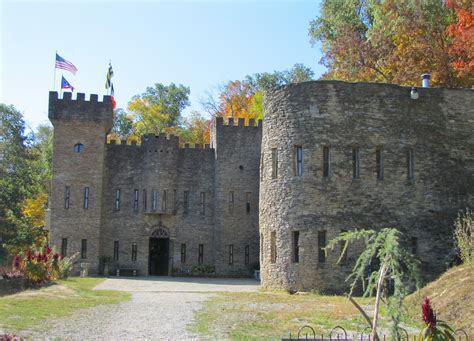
[388, 41]
[122, 125]
[195, 129]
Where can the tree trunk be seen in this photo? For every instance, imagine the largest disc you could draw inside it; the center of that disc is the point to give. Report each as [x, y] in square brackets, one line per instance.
[383, 271]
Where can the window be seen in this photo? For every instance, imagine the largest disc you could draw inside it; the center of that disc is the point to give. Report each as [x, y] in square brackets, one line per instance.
[134, 252]
[154, 199]
[183, 253]
[274, 163]
[410, 168]
[67, 194]
[273, 250]
[203, 203]
[185, 202]
[379, 162]
[175, 200]
[355, 163]
[326, 162]
[116, 250]
[163, 201]
[414, 245]
[247, 204]
[343, 256]
[231, 202]
[135, 200]
[84, 248]
[298, 160]
[296, 246]
[321, 246]
[78, 148]
[64, 247]
[86, 197]
[144, 200]
[247, 254]
[117, 199]
[231, 254]
[201, 254]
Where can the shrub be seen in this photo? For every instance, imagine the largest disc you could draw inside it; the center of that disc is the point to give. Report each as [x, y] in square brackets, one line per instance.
[435, 330]
[203, 269]
[10, 337]
[464, 236]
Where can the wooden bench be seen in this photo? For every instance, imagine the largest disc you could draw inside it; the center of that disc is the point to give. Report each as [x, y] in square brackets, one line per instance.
[124, 272]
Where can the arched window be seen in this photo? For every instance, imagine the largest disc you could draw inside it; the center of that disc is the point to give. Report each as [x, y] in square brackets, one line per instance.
[78, 148]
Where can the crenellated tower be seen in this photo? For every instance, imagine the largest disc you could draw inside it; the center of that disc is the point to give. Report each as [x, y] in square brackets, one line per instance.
[80, 129]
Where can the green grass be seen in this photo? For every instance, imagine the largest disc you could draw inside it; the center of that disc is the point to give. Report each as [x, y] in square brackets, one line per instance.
[29, 309]
[273, 315]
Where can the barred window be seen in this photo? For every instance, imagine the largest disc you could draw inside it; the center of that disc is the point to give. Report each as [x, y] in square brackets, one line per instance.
[134, 252]
[67, 195]
[117, 199]
[321, 246]
[183, 253]
[231, 202]
[203, 203]
[116, 250]
[247, 204]
[84, 248]
[86, 197]
[135, 200]
[296, 246]
[144, 200]
[379, 162]
[163, 201]
[185, 202]
[231, 254]
[201, 254]
[326, 162]
[247, 254]
[154, 199]
[78, 148]
[410, 165]
[64, 247]
[355, 163]
[298, 160]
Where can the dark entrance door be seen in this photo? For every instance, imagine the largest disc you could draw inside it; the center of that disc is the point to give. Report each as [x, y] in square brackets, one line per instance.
[159, 256]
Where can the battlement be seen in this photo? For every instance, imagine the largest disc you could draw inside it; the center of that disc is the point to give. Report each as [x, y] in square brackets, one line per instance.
[69, 109]
[237, 122]
[161, 140]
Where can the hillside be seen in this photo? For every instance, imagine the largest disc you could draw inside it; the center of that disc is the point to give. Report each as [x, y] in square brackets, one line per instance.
[452, 297]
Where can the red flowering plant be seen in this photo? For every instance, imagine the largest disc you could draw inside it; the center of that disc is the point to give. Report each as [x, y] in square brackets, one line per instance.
[435, 330]
[15, 271]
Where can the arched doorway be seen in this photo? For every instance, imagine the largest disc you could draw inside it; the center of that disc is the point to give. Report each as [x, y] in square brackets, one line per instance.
[159, 248]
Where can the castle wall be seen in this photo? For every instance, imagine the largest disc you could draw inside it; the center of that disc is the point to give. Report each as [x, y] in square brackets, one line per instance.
[236, 170]
[340, 116]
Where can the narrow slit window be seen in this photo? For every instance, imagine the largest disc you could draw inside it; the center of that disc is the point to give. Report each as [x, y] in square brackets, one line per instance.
[296, 246]
[274, 163]
[134, 252]
[67, 195]
[84, 248]
[231, 202]
[201, 254]
[185, 202]
[116, 250]
[326, 162]
[117, 199]
[298, 160]
[231, 254]
[183, 253]
[135, 200]
[86, 197]
[355, 163]
[248, 196]
[379, 163]
[247, 254]
[321, 246]
[342, 253]
[203, 203]
[64, 247]
[273, 249]
[144, 200]
[154, 199]
[410, 164]
[175, 200]
[163, 201]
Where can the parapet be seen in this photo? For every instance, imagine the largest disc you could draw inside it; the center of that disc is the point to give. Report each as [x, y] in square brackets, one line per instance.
[237, 122]
[79, 109]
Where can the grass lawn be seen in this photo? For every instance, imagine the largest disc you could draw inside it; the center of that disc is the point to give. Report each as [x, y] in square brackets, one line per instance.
[28, 309]
[273, 315]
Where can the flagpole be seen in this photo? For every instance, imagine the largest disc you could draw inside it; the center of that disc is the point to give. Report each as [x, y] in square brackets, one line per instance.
[54, 80]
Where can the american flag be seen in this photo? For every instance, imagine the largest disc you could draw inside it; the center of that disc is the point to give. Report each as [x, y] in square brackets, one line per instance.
[62, 63]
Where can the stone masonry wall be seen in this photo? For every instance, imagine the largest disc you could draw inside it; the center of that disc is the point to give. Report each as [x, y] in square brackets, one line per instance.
[341, 116]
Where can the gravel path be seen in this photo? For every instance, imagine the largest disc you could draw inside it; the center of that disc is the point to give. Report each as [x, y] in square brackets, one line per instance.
[159, 310]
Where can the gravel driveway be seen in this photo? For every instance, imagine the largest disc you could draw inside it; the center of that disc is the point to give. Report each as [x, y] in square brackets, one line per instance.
[160, 309]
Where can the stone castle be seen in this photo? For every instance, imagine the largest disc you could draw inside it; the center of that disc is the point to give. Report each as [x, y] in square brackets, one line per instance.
[330, 156]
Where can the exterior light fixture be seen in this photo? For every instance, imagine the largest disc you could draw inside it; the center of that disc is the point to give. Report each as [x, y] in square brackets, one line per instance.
[414, 93]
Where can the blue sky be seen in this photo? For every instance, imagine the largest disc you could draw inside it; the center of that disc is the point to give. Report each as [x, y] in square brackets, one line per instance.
[195, 43]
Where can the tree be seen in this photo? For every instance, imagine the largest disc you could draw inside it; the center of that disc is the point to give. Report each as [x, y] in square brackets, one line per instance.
[122, 126]
[397, 267]
[195, 129]
[389, 41]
